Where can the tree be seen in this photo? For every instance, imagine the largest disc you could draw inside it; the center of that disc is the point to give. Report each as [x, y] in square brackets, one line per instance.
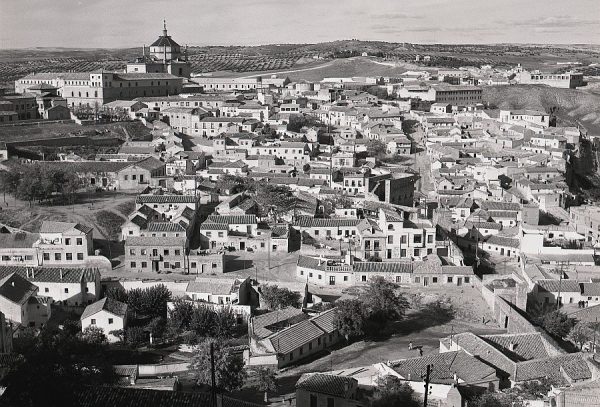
[376, 148]
[54, 368]
[266, 381]
[116, 293]
[490, 399]
[391, 392]
[440, 310]
[581, 333]
[136, 336]
[278, 298]
[154, 301]
[157, 327]
[180, 316]
[202, 322]
[556, 323]
[381, 301]
[275, 200]
[229, 367]
[349, 318]
[224, 324]
[94, 335]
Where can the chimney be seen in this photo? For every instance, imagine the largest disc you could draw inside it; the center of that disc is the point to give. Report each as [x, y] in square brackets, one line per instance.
[12, 283]
[32, 273]
[455, 378]
[346, 386]
[132, 380]
[27, 271]
[61, 274]
[144, 50]
[512, 346]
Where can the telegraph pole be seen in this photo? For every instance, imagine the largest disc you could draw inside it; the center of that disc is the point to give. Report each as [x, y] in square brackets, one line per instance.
[562, 265]
[426, 385]
[213, 387]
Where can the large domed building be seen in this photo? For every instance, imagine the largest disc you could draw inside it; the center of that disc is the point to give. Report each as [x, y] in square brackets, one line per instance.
[164, 56]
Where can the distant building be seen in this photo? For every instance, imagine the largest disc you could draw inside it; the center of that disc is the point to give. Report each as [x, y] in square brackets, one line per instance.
[568, 80]
[165, 56]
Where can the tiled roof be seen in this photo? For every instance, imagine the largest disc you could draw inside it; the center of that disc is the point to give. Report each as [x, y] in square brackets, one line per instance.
[100, 396]
[165, 227]
[51, 274]
[18, 240]
[213, 287]
[485, 351]
[445, 365]
[504, 241]
[232, 219]
[572, 365]
[383, 267]
[61, 227]
[293, 337]
[115, 307]
[155, 241]
[526, 346]
[588, 314]
[159, 199]
[458, 270]
[312, 263]
[261, 323]
[149, 164]
[325, 320]
[16, 289]
[309, 221]
[332, 385]
[553, 286]
[500, 206]
[590, 289]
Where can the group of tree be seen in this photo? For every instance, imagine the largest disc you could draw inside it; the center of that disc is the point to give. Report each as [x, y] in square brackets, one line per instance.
[228, 365]
[554, 321]
[143, 302]
[517, 396]
[392, 392]
[298, 121]
[370, 313]
[40, 182]
[275, 297]
[196, 322]
[54, 366]
[271, 200]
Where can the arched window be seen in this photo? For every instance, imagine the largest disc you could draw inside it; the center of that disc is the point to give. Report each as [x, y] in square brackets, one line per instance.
[390, 227]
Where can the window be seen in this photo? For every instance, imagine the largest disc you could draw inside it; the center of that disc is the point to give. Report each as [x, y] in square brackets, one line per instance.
[66, 291]
[67, 241]
[417, 280]
[46, 290]
[177, 252]
[390, 239]
[79, 241]
[69, 256]
[363, 278]
[214, 265]
[93, 321]
[167, 264]
[110, 321]
[144, 264]
[79, 256]
[417, 238]
[345, 278]
[330, 402]
[429, 238]
[144, 252]
[166, 252]
[434, 279]
[132, 252]
[193, 265]
[177, 264]
[133, 264]
[450, 279]
[57, 256]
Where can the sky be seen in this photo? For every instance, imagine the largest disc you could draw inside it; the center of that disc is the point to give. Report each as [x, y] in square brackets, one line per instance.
[126, 23]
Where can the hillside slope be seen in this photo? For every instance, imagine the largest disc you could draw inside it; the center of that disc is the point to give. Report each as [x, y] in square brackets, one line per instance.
[575, 106]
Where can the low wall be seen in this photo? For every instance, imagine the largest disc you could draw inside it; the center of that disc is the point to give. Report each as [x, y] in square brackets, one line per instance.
[176, 287]
[163, 369]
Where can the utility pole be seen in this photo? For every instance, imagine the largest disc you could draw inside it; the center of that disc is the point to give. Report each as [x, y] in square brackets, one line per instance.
[426, 385]
[594, 342]
[562, 265]
[213, 387]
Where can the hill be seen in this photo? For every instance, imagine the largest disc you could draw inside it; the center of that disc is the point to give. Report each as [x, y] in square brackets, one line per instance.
[576, 107]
